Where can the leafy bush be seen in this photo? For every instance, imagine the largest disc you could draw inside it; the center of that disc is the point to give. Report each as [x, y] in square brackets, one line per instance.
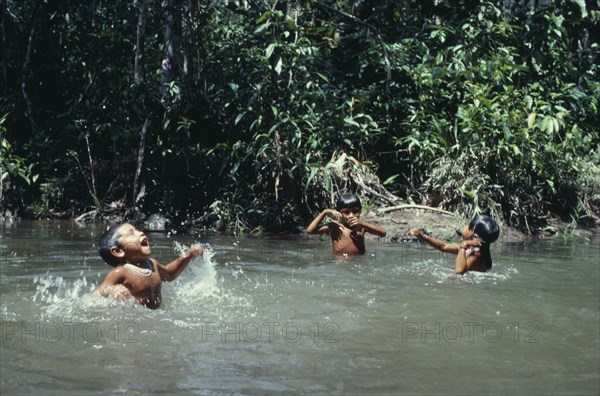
[253, 105]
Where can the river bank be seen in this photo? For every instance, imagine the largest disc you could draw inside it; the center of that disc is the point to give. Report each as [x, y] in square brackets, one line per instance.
[439, 223]
[444, 224]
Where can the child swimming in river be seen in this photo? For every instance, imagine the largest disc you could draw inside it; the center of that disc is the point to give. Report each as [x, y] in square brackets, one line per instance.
[347, 230]
[473, 253]
[135, 274]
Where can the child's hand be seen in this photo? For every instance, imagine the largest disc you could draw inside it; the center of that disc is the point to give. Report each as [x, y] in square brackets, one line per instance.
[471, 243]
[353, 222]
[416, 232]
[334, 214]
[195, 250]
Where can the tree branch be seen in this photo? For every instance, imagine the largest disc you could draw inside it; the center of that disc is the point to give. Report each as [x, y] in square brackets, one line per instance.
[401, 207]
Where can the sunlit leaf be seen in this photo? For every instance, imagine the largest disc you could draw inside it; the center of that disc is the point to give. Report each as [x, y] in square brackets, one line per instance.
[279, 66]
[239, 117]
[390, 179]
[531, 120]
[350, 121]
[262, 27]
[269, 50]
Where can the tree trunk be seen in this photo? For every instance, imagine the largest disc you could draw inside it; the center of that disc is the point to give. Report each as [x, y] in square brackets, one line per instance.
[188, 45]
[27, 72]
[138, 170]
[4, 66]
[138, 73]
[172, 43]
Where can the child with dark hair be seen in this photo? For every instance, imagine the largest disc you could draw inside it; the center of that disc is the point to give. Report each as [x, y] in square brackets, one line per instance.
[135, 274]
[347, 229]
[473, 253]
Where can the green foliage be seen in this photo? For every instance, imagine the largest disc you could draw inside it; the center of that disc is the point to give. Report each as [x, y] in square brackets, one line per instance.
[493, 108]
[13, 168]
[484, 123]
[285, 114]
[12, 165]
[49, 199]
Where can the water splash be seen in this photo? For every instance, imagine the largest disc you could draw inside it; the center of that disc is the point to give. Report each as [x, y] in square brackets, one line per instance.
[59, 298]
[54, 289]
[73, 299]
[200, 279]
[201, 294]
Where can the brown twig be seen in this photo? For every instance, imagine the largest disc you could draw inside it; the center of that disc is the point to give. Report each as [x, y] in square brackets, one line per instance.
[402, 207]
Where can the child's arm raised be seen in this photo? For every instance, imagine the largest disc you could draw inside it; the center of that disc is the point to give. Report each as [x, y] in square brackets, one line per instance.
[172, 270]
[436, 243]
[372, 228]
[313, 227]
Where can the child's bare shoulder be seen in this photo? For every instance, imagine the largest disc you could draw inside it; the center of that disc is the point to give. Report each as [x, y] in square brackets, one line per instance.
[116, 275]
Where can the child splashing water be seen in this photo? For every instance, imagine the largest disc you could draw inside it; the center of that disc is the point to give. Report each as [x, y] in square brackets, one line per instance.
[135, 274]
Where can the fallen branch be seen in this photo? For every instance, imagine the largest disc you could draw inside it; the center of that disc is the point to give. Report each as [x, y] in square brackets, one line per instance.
[86, 215]
[401, 207]
[372, 184]
[362, 185]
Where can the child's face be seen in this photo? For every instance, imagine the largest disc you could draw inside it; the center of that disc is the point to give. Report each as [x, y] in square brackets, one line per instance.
[134, 244]
[467, 234]
[349, 213]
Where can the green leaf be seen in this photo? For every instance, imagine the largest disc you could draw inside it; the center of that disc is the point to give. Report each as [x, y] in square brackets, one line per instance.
[517, 151]
[555, 124]
[262, 27]
[531, 120]
[264, 16]
[468, 193]
[234, 87]
[544, 124]
[324, 78]
[582, 7]
[313, 172]
[279, 66]
[269, 50]
[390, 179]
[350, 121]
[239, 117]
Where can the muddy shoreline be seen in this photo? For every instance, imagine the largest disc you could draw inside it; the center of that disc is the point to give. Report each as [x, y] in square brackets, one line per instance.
[443, 226]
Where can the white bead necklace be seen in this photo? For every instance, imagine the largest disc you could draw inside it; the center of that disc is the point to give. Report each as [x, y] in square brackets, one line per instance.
[141, 271]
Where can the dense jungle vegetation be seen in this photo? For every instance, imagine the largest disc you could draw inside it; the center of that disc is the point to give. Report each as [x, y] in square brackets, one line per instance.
[246, 114]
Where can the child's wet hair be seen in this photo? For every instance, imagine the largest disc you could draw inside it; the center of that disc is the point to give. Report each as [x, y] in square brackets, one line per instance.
[347, 201]
[109, 239]
[485, 227]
